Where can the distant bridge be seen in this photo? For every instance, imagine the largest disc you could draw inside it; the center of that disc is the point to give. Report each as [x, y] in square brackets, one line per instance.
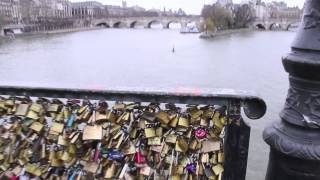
[272, 24]
[132, 22]
[146, 22]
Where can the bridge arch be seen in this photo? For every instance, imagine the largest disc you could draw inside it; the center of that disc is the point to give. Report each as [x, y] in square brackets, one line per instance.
[153, 22]
[118, 24]
[173, 21]
[260, 26]
[275, 26]
[288, 27]
[292, 25]
[103, 24]
[133, 24]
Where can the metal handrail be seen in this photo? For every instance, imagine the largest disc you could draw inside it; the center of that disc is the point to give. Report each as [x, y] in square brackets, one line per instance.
[254, 106]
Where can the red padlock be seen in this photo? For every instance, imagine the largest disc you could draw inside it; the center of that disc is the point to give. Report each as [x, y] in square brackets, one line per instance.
[140, 158]
[201, 133]
[14, 178]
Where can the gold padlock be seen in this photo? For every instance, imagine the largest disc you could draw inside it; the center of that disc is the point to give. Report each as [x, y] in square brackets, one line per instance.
[174, 122]
[59, 117]
[56, 162]
[205, 158]
[196, 114]
[193, 144]
[62, 141]
[123, 117]
[218, 169]
[199, 170]
[92, 133]
[36, 107]
[36, 126]
[171, 138]
[210, 146]
[163, 117]
[178, 170]
[156, 141]
[159, 131]
[53, 108]
[220, 157]
[183, 122]
[65, 156]
[101, 117]
[133, 133]
[22, 110]
[119, 141]
[110, 172]
[9, 103]
[165, 150]
[149, 132]
[30, 168]
[32, 115]
[176, 177]
[119, 106]
[56, 128]
[110, 116]
[181, 145]
[214, 159]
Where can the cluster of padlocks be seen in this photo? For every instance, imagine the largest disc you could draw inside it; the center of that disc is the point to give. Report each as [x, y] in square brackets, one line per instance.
[79, 140]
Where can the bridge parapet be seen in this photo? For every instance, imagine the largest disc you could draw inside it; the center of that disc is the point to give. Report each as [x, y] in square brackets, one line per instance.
[137, 131]
[268, 24]
[146, 21]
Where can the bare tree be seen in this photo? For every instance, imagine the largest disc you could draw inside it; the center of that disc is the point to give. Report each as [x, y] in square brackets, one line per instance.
[243, 15]
[220, 16]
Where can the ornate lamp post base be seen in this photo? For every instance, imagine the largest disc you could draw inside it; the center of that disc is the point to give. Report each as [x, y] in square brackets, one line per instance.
[295, 140]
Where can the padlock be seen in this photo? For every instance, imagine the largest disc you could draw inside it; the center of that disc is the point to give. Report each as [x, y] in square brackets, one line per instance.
[181, 145]
[92, 133]
[218, 169]
[150, 132]
[171, 138]
[155, 141]
[22, 110]
[220, 157]
[36, 107]
[110, 172]
[193, 144]
[37, 127]
[148, 116]
[139, 158]
[173, 123]
[183, 122]
[163, 117]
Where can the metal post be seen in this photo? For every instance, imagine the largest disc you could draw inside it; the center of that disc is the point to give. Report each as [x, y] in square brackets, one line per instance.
[295, 140]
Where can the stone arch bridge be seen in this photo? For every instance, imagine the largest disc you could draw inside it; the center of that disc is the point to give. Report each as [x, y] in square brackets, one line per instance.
[280, 24]
[132, 22]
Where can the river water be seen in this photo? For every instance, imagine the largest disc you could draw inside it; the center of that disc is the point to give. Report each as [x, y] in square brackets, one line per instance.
[114, 58]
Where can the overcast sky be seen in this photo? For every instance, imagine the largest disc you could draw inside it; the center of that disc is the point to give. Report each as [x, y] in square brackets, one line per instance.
[190, 6]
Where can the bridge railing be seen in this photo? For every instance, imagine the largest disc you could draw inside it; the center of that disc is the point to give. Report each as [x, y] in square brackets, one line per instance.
[144, 133]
